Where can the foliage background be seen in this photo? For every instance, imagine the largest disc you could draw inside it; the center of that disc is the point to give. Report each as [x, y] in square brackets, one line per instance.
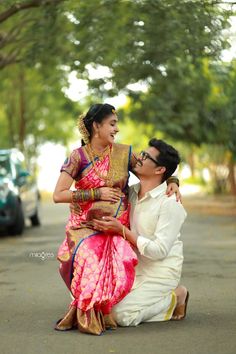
[165, 56]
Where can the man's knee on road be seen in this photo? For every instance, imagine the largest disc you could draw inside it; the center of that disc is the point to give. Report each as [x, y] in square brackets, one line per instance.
[125, 319]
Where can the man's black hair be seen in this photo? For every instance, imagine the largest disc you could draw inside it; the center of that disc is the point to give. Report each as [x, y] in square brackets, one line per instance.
[168, 156]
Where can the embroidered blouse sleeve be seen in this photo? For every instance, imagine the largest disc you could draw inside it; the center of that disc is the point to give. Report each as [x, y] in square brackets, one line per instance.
[72, 164]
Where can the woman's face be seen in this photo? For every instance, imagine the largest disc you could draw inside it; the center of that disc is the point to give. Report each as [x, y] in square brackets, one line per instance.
[107, 129]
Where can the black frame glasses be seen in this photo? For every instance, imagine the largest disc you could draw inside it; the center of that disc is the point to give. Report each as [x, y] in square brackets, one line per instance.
[145, 155]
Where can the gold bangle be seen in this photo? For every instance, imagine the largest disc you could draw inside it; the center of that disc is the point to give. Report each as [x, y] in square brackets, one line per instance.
[92, 194]
[72, 196]
[123, 232]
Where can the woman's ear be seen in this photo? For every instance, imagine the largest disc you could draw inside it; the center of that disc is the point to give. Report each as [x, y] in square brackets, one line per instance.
[95, 127]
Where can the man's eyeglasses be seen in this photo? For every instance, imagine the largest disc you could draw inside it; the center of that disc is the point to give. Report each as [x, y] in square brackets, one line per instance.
[145, 155]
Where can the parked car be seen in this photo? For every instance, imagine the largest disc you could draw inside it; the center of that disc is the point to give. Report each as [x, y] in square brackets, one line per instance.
[19, 195]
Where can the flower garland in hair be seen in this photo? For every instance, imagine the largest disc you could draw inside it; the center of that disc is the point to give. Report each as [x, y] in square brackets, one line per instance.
[82, 129]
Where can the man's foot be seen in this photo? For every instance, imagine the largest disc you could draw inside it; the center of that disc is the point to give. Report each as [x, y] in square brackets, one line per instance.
[182, 302]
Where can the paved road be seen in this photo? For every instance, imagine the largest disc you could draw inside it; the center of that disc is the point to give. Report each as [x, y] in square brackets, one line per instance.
[33, 296]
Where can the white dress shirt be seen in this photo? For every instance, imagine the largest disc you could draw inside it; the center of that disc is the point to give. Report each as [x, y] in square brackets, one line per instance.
[157, 220]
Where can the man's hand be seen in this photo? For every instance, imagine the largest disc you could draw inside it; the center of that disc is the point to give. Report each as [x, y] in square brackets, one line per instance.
[173, 188]
[108, 223]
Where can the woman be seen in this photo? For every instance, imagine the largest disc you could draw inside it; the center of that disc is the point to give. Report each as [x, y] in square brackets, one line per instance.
[99, 271]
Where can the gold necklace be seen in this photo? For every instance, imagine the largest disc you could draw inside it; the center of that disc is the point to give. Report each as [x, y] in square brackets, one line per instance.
[98, 153]
[92, 155]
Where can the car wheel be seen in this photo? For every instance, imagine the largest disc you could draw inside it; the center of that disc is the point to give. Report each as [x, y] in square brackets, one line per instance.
[35, 220]
[18, 227]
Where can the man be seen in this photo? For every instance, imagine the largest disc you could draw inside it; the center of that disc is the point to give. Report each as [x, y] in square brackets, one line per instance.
[155, 220]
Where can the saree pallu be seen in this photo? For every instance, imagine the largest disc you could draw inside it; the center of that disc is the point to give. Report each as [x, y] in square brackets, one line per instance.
[97, 267]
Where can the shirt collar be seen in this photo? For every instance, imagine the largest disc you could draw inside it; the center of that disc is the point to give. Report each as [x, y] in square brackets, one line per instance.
[158, 190]
[153, 192]
[136, 187]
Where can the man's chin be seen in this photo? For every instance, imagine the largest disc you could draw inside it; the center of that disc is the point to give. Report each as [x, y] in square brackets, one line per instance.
[136, 170]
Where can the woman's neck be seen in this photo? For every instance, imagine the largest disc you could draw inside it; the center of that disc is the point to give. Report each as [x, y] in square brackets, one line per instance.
[98, 145]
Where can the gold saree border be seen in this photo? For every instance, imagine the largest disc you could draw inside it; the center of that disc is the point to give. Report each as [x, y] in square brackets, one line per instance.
[91, 321]
[171, 308]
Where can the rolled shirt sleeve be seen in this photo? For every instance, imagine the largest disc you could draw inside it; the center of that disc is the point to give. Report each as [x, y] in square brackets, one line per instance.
[169, 223]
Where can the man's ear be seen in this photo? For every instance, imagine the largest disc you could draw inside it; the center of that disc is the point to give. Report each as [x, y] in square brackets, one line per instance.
[160, 170]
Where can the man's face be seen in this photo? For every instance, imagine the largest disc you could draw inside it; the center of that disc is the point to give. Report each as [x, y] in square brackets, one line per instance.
[146, 165]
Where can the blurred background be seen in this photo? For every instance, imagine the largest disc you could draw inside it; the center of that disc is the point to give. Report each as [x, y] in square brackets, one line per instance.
[168, 66]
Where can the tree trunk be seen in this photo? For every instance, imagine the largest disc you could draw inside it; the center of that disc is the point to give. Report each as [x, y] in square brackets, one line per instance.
[10, 129]
[231, 176]
[22, 108]
[11, 114]
[191, 162]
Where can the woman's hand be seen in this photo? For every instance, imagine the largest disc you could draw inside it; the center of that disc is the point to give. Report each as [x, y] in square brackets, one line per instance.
[173, 188]
[108, 223]
[110, 194]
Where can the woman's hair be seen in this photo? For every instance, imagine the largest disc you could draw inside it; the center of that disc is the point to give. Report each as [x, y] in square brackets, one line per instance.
[97, 113]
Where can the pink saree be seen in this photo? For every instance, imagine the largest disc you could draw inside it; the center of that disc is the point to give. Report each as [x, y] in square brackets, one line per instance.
[97, 267]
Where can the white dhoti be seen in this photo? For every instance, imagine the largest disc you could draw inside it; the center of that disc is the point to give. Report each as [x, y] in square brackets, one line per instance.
[148, 301]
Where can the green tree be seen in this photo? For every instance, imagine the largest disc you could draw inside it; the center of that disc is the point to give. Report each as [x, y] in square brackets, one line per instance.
[34, 110]
[222, 110]
[28, 31]
[137, 40]
[168, 46]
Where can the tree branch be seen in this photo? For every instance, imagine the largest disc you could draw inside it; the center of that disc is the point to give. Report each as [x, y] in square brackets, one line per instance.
[14, 33]
[10, 59]
[223, 3]
[26, 5]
